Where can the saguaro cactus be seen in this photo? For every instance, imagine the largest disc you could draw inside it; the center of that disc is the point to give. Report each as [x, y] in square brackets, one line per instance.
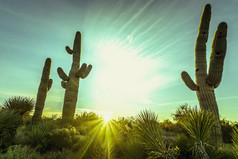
[207, 82]
[71, 83]
[44, 87]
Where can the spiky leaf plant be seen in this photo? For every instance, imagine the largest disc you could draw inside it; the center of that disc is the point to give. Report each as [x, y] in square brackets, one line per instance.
[21, 105]
[19, 152]
[132, 149]
[9, 122]
[37, 135]
[198, 125]
[150, 134]
[235, 141]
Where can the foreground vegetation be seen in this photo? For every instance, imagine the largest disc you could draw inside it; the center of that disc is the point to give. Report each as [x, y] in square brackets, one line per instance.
[89, 137]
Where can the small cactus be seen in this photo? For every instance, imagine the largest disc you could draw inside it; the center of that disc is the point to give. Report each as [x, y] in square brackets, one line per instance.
[207, 82]
[71, 82]
[44, 87]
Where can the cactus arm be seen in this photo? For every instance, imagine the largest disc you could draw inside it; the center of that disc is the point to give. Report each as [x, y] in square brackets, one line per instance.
[68, 50]
[50, 82]
[217, 56]
[77, 43]
[86, 72]
[188, 81]
[81, 70]
[63, 84]
[200, 48]
[62, 74]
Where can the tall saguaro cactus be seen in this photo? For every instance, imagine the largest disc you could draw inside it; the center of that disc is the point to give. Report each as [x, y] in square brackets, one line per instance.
[71, 82]
[44, 87]
[207, 82]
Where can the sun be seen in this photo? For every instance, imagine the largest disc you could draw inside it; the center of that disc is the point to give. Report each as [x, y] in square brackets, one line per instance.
[124, 76]
[107, 116]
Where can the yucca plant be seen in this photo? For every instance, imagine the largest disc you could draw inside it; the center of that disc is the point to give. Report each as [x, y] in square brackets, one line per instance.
[132, 149]
[19, 152]
[37, 135]
[198, 125]
[9, 122]
[235, 141]
[22, 105]
[150, 135]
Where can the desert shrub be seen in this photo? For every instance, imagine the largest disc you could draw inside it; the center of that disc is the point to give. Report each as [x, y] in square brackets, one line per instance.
[99, 151]
[37, 135]
[198, 125]
[64, 138]
[150, 134]
[168, 125]
[180, 112]
[124, 127]
[132, 149]
[20, 136]
[64, 154]
[19, 152]
[185, 144]
[22, 105]
[9, 122]
[227, 128]
[84, 122]
[235, 141]
[220, 153]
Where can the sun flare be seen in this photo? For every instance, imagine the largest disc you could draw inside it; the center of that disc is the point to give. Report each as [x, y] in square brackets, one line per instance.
[124, 76]
[107, 116]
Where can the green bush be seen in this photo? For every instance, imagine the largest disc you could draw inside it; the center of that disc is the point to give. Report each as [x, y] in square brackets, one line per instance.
[235, 141]
[19, 152]
[220, 153]
[185, 144]
[132, 149]
[64, 138]
[64, 154]
[37, 136]
[9, 122]
[227, 128]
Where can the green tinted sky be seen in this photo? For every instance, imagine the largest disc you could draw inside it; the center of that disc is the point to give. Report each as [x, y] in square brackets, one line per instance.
[138, 48]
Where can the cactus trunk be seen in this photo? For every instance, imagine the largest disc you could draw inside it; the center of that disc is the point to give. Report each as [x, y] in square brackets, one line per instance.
[207, 102]
[207, 82]
[44, 87]
[71, 82]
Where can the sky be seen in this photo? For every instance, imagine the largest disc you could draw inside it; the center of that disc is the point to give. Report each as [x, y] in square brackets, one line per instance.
[138, 49]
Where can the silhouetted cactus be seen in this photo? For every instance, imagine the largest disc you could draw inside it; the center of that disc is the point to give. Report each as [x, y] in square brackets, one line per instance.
[71, 82]
[207, 82]
[44, 87]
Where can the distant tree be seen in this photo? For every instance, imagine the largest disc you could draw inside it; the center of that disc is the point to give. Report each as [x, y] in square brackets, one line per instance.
[180, 112]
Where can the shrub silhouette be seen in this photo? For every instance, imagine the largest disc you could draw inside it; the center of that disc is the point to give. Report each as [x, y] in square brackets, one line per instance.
[9, 122]
[21, 105]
